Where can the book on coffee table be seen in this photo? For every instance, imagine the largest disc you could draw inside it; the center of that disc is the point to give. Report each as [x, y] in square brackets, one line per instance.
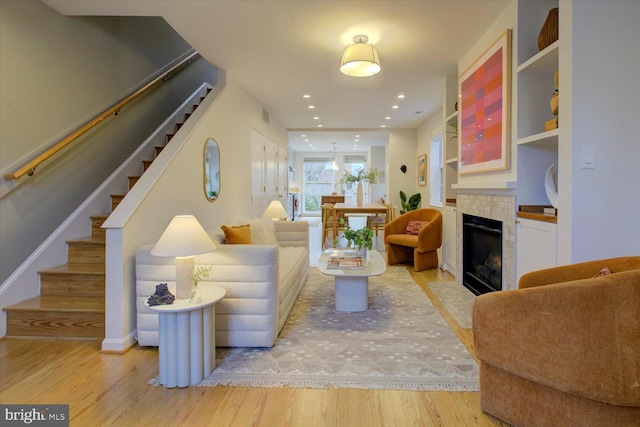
[344, 263]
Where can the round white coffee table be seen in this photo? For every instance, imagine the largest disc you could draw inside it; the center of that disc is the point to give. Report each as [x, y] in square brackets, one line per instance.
[352, 286]
[188, 338]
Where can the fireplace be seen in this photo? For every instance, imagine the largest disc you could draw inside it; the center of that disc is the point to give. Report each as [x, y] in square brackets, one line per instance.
[481, 254]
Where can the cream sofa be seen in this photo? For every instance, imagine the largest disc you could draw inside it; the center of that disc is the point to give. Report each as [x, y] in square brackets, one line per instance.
[262, 282]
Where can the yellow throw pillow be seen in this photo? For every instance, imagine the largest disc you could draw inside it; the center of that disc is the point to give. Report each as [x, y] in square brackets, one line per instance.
[237, 235]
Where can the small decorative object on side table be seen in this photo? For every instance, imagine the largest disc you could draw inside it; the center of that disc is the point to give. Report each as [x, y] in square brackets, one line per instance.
[188, 338]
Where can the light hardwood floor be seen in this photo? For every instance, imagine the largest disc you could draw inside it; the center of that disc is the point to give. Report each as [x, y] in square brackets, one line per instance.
[108, 389]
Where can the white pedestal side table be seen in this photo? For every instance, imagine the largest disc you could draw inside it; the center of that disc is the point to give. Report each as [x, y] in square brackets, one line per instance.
[188, 338]
[352, 286]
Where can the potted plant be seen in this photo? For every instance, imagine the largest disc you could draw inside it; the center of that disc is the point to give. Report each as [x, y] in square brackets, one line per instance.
[361, 239]
[199, 274]
[414, 202]
[370, 176]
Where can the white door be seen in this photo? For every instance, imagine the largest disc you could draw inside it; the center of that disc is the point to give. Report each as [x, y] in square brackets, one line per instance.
[283, 178]
[258, 188]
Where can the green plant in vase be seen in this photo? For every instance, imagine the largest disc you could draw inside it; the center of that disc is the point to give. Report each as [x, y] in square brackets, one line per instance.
[358, 239]
[348, 179]
[198, 275]
[371, 176]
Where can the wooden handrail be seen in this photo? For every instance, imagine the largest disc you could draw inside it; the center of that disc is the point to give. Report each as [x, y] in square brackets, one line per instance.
[30, 167]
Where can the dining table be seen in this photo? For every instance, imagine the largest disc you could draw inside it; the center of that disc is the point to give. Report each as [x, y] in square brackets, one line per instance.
[351, 208]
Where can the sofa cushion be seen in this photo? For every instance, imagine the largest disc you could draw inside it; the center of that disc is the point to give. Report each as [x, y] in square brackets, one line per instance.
[237, 235]
[263, 232]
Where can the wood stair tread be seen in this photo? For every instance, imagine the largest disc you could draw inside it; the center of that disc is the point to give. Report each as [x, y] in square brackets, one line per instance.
[87, 240]
[76, 268]
[54, 303]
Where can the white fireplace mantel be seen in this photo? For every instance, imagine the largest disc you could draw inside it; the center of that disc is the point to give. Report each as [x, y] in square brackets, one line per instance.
[497, 185]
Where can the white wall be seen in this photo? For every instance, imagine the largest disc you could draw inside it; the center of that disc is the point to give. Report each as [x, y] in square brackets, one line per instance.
[228, 119]
[605, 201]
[401, 150]
[377, 162]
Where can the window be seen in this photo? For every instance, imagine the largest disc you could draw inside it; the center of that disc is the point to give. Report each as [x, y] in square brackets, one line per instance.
[318, 180]
[435, 183]
[353, 164]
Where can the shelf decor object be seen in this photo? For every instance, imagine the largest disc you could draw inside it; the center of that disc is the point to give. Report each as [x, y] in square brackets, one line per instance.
[550, 186]
[422, 170]
[483, 137]
[549, 31]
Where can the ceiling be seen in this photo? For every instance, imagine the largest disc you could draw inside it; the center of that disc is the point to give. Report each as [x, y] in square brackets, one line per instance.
[282, 50]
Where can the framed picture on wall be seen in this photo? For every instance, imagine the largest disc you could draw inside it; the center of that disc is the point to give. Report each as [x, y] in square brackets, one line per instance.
[422, 169]
[484, 88]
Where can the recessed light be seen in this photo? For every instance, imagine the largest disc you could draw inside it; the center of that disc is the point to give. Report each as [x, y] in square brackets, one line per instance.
[316, 118]
[383, 126]
[310, 145]
[319, 126]
[306, 140]
[304, 136]
[401, 96]
[387, 118]
[306, 95]
[357, 136]
[312, 106]
[355, 145]
[357, 140]
[395, 107]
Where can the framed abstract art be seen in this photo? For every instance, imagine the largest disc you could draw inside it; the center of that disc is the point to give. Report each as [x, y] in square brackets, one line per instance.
[484, 88]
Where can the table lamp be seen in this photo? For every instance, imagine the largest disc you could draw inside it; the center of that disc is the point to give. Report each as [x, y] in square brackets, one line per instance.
[183, 238]
[275, 211]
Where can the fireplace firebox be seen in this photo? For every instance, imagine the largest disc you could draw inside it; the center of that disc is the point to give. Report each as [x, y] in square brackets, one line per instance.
[481, 254]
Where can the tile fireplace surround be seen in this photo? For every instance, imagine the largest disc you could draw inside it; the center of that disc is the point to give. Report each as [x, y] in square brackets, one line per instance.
[498, 207]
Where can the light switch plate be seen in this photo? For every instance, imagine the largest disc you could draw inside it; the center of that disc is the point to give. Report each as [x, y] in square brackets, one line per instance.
[588, 158]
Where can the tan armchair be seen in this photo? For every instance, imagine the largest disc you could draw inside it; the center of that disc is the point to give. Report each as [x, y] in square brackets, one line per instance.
[564, 348]
[421, 248]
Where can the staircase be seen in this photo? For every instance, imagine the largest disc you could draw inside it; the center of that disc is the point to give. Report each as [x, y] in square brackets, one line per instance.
[71, 304]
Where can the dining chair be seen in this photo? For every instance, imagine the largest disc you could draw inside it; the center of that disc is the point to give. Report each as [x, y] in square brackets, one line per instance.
[328, 223]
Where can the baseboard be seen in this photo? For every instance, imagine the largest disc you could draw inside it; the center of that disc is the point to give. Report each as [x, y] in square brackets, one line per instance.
[119, 345]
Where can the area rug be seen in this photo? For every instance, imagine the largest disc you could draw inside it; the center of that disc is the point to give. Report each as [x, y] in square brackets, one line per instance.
[401, 342]
[456, 299]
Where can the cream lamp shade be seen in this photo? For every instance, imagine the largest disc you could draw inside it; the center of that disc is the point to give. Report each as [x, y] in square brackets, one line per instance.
[183, 238]
[360, 59]
[275, 210]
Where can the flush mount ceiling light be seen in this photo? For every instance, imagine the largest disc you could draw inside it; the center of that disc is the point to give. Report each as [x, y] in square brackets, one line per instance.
[360, 59]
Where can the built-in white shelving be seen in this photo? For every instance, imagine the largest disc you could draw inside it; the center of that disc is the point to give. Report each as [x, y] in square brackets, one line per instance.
[548, 137]
[545, 60]
[537, 148]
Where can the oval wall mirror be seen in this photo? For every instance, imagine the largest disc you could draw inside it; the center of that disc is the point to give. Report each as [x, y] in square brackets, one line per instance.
[211, 169]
